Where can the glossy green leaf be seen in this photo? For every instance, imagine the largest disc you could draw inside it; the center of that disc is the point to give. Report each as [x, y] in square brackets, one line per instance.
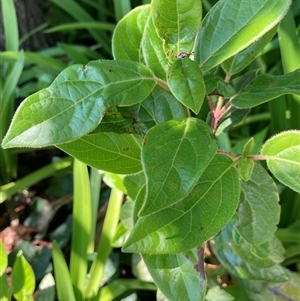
[232, 25]
[237, 267]
[135, 38]
[282, 155]
[248, 147]
[240, 61]
[218, 294]
[134, 184]
[76, 101]
[153, 50]
[112, 152]
[246, 168]
[177, 23]
[126, 41]
[195, 218]
[189, 273]
[3, 258]
[63, 281]
[160, 106]
[266, 87]
[259, 210]
[186, 83]
[173, 162]
[23, 280]
[5, 289]
[81, 228]
[262, 256]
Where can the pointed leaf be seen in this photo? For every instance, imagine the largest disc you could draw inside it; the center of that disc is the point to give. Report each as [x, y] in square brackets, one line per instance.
[232, 25]
[76, 101]
[259, 211]
[62, 276]
[177, 23]
[283, 158]
[238, 267]
[23, 279]
[136, 39]
[266, 87]
[126, 41]
[245, 168]
[153, 50]
[160, 106]
[112, 152]
[190, 281]
[174, 155]
[194, 219]
[3, 258]
[186, 83]
[262, 256]
[240, 61]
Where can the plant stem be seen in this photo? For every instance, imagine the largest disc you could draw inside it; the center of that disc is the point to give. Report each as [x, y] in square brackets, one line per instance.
[162, 83]
[108, 231]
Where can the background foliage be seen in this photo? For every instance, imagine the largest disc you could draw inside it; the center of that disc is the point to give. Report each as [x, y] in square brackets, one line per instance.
[244, 260]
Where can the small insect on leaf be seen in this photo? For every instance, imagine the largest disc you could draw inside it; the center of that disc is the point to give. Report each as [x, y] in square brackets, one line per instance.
[182, 55]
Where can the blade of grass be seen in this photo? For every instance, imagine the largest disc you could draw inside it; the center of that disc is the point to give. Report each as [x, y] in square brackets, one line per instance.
[290, 49]
[95, 182]
[82, 25]
[105, 245]
[78, 13]
[62, 276]
[33, 178]
[10, 24]
[81, 229]
[10, 86]
[8, 159]
[34, 58]
[122, 7]
[120, 286]
[32, 32]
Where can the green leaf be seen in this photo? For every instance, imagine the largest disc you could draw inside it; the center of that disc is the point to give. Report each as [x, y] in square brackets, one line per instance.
[126, 41]
[3, 258]
[262, 256]
[76, 101]
[240, 61]
[237, 266]
[81, 228]
[266, 87]
[23, 280]
[232, 25]
[248, 147]
[5, 289]
[177, 23]
[246, 168]
[153, 50]
[186, 83]
[135, 38]
[62, 276]
[112, 152]
[190, 281]
[193, 219]
[288, 290]
[259, 210]
[173, 162]
[160, 106]
[46, 290]
[134, 184]
[218, 294]
[283, 160]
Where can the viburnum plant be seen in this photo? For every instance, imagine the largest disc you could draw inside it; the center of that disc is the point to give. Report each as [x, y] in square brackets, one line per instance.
[138, 115]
